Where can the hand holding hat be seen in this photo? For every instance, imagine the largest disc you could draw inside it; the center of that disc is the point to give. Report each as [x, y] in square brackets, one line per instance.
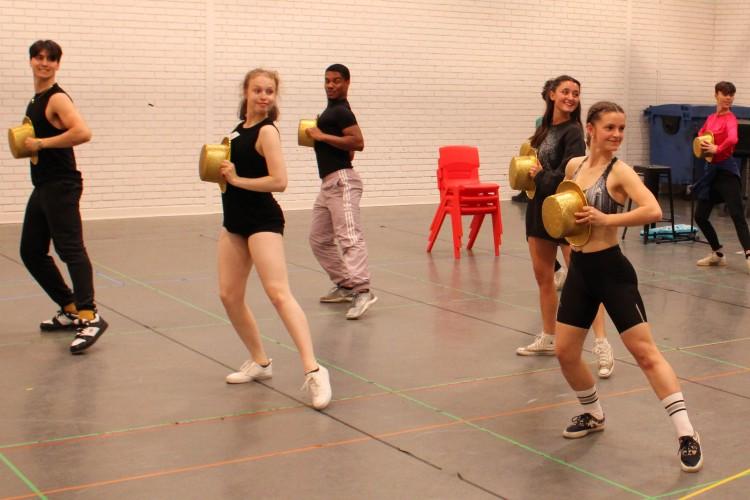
[591, 216]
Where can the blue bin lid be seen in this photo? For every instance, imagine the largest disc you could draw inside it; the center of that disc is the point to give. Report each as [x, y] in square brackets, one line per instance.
[693, 112]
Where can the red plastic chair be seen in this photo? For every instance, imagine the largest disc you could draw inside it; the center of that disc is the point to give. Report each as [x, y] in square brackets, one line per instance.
[462, 193]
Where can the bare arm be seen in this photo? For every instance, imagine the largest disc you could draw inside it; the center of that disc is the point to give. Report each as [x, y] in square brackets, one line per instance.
[628, 185]
[63, 115]
[572, 165]
[352, 140]
[269, 146]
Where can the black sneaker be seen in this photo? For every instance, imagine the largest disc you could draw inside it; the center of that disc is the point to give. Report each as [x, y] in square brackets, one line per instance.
[87, 333]
[520, 197]
[691, 458]
[583, 425]
[61, 321]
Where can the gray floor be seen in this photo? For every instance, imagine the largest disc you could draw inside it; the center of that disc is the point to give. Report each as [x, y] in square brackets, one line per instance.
[430, 400]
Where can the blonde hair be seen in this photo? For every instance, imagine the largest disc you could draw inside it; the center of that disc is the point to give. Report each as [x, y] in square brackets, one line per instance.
[273, 112]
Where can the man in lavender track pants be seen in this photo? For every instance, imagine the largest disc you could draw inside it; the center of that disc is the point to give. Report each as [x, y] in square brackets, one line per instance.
[336, 234]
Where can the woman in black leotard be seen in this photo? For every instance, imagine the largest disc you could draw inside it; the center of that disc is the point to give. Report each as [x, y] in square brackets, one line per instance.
[252, 236]
[600, 274]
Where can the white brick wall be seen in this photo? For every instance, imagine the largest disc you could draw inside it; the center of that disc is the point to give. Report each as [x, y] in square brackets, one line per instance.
[156, 79]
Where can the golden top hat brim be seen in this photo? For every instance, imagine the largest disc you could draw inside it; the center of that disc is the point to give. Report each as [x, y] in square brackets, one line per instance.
[558, 214]
[16, 138]
[209, 166]
[706, 136]
[302, 138]
[518, 173]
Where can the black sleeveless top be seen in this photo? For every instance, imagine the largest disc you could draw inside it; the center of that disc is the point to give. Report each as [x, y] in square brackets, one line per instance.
[246, 211]
[54, 163]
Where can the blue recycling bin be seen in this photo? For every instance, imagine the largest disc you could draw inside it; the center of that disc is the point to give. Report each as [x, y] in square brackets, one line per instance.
[672, 128]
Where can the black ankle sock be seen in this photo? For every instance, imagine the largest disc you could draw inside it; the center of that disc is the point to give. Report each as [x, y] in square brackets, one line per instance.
[313, 371]
[266, 365]
[719, 253]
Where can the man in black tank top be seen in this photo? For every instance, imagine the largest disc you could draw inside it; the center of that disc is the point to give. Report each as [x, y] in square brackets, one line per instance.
[52, 213]
[336, 235]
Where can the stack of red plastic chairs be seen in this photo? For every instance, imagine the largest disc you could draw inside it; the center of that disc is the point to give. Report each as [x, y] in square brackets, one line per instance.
[462, 193]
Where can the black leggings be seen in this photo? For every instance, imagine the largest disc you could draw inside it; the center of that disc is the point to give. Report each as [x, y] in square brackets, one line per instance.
[604, 277]
[52, 214]
[725, 187]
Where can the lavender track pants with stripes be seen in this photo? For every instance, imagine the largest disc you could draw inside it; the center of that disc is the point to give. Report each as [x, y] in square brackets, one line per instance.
[336, 234]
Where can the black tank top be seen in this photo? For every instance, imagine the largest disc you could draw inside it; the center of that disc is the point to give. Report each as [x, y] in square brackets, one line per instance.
[245, 210]
[54, 163]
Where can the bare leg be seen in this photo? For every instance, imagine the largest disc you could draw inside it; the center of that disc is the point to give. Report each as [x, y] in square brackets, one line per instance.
[543, 261]
[267, 250]
[657, 370]
[235, 264]
[568, 348]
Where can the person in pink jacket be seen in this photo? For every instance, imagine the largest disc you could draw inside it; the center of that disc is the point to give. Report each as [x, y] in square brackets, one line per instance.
[721, 181]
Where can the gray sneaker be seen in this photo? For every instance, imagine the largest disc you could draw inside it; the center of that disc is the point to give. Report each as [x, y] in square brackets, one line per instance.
[338, 294]
[360, 304]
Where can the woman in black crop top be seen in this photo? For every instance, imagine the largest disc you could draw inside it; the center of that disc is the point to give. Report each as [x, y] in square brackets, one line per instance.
[558, 137]
[600, 274]
[252, 236]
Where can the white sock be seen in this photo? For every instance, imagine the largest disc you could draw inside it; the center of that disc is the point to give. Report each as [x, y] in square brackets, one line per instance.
[677, 411]
[589, 399]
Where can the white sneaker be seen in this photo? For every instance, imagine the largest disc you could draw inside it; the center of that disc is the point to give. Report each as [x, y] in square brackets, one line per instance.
[603, 353]
[712, 259]
[249, 371]
[560, 276]
[543, 345]
[319, 385]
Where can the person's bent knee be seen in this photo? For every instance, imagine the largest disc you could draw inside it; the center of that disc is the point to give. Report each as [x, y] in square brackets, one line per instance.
[544, 278]
[647, 358]
[566, 354]
[317, 242]
[231, 299]
[278, 296]
[28, 256]
[700, 218]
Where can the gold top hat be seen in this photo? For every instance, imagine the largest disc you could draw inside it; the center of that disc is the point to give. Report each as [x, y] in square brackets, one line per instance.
[16, 138]
[211, 157]
[518, 176]
[302, 138]
[708, 137]
[558, 214]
